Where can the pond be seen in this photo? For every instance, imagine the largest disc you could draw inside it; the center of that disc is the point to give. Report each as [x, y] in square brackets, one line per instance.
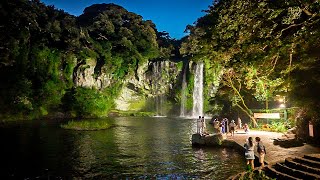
[135, 148]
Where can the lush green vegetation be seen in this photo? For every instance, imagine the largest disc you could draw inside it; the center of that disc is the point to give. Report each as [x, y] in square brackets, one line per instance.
[47, 57]
[274, 126]
[87, 125]
[257, 50]
[253, 51]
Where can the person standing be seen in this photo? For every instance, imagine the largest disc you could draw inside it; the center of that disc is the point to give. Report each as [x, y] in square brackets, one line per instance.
[249, 152]
[217, 126]
[239, 123]
[232, 125]
[203, 123]
[226, 125]
[222, 127]
[246, 128]
[199, 125]
[261, 151]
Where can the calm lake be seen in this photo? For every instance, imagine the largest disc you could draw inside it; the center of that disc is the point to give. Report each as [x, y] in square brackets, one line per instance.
[136, 148]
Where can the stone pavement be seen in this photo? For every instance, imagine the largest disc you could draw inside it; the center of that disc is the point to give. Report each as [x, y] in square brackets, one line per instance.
[274, 152]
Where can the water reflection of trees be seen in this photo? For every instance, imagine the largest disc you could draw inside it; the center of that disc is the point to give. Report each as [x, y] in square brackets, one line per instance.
[84, 156]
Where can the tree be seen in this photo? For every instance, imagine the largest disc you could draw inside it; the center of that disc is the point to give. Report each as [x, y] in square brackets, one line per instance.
[263, 43]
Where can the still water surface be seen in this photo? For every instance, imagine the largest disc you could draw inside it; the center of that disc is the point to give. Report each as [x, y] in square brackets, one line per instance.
[136, 148]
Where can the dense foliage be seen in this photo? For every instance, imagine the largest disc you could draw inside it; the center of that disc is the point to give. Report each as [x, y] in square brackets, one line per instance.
[260, 49]
[254, 52]
[44, 52]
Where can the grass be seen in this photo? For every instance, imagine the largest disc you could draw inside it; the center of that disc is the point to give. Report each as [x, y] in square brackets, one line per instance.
[86, 125]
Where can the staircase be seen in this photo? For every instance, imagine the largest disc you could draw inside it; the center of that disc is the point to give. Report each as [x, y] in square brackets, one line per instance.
[306, 167]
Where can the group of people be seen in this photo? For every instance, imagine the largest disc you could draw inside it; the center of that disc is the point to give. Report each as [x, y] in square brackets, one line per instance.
[249, 146]
[223, 126]
[249, 151]
[201, 125]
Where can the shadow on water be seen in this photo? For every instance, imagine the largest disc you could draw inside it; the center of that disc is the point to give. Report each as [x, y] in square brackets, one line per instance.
[135, 148]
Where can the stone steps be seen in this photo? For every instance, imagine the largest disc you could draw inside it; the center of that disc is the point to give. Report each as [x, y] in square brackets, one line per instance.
[295, 172]
[273, 173]
[314, 157]
[289, 162]
[306, 167]
[311, 163]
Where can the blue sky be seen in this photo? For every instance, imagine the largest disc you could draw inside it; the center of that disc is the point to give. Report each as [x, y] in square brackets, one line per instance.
[168, 15]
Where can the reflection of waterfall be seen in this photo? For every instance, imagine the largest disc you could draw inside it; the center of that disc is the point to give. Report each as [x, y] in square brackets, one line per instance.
[158, 66]
[198, 91]
[183, 93]
[159, 103]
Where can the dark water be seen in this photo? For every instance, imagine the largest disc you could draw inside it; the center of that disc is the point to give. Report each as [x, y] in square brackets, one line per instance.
[137, 148]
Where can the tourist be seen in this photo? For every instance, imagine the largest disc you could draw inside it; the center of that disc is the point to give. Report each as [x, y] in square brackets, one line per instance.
[246, 128]
[232, 125]
[222, 127]
[226, 125]
[249, 153]
[199, 124]
[216, 125]
[239, 123]
[261, 151]
[203, 125]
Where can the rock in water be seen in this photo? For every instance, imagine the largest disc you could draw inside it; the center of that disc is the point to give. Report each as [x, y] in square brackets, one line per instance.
[207, 140]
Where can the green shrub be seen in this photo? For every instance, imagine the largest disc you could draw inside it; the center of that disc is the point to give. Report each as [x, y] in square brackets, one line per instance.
[274, 126]
[278, 127]
[87, 102]
[88, 125]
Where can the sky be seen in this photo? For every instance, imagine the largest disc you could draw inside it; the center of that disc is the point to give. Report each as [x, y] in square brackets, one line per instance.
[169, 15]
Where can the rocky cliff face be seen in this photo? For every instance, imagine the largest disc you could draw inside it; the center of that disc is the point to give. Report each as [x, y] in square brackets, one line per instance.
[150, 80]
[84, 76]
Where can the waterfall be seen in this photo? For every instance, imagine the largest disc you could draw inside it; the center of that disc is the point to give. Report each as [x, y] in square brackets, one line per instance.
[183, 93]
[197, 109]
[157, 83]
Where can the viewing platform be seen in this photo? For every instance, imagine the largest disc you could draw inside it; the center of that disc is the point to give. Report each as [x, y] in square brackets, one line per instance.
[275, 153]
[282, 162]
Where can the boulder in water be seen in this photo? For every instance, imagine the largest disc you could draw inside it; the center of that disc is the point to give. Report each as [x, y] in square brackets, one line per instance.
[207, 140]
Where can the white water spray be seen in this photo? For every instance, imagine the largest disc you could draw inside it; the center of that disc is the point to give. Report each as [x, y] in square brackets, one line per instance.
[197, 109]
[159, 97]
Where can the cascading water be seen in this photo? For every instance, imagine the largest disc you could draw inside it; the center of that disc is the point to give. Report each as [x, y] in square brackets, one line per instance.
[157, 79]
[183, 93]
[197, 109]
